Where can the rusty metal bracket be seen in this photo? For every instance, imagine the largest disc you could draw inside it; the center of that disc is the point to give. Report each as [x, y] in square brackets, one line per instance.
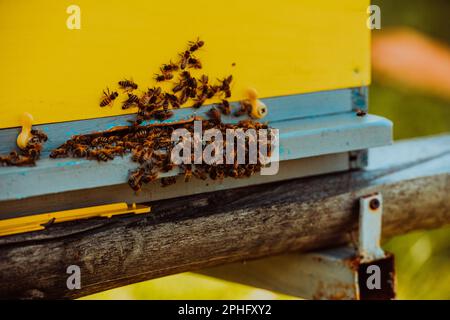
[361, 272]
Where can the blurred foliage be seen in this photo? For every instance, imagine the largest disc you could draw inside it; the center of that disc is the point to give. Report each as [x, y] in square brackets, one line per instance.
[413, 114]
[187, 286]
[423, 257]
[429, 16]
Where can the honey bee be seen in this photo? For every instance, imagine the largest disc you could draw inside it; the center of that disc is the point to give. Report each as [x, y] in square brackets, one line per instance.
[149, 177]
[144, 100]
[245, 108]
[132, 99]
[225, 107]
[106, 154]
[119, 150]
[184, 96]
[154, 92]
[162, 115]
[178, 87]
[192, 83]
[194, 63]
[199, 102]
[195, 45]
[108, 98]
[187, 172]
[20, 160]
[203, 87]
[360, 112]
[167, 181]
[214, 114]
[59, 153]
[80, 151]
[170, 67]
[128, 85]
[141, 133]
[163, 76]
[184, 59]
[200, 174]
[225, 86]
[99, 140]
[212, 90]
[38, 135]
[172, 99]
[135, 179]
[33, 151]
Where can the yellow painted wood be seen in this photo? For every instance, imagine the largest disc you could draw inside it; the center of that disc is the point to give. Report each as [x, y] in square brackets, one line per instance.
[280, 48]
[37, 222]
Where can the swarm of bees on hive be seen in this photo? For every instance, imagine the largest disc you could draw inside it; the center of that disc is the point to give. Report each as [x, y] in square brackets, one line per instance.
[155, 103]
[151, 145]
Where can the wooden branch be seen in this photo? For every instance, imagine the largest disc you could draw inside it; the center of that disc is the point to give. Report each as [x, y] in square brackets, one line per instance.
[205, 230]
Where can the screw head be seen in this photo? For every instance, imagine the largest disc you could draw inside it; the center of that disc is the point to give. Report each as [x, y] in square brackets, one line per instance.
[374, 204]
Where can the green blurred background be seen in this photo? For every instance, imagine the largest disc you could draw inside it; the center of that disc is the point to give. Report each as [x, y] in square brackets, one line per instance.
[422, 258]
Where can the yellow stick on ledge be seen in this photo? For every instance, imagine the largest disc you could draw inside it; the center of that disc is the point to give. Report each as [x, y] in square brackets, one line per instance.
[39, 221]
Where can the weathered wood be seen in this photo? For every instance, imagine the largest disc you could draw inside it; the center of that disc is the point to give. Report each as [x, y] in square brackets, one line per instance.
[205, 230]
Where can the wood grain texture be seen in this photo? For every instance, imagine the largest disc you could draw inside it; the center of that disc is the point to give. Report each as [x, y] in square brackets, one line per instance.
[206, 230]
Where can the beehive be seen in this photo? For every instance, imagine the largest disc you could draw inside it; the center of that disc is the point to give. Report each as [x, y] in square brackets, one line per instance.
[309, 60]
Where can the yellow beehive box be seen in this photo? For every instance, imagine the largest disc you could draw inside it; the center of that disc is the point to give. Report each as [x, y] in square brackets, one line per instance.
[280, 48]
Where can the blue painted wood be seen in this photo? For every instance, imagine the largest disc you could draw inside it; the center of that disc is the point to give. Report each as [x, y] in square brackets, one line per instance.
[280, 109]
[299, 138]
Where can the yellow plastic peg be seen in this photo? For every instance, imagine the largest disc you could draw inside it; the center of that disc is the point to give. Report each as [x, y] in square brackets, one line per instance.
[25, 135]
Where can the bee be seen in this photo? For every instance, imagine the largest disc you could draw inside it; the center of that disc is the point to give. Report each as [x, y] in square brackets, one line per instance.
[184, 59]
[149, 177]
[99, 140]
[167, 181]
[214, 114]
[184, 96]
[225, 107]
[165, 104]
[59, 153]
[170, 67]
[144, 100]
[163, 76]
[135, 179]
[360, 112]
[108, 98]
[144, 115]
[212, 90]
[39, 135]
[191, 83]
[105, 155]
[21, 161]
[119, 150]
[200, 174]
[80, 151]
[162, 115]
[187, 172]
[203, 81]
[173, 99]
[225, 86]
[245, 108]
[132, 99]
[128, 85]
[33, 150]
[194, 63]
[199, 102]
[154, 92]
[178, 87]
[195, 45]
[141, 134]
